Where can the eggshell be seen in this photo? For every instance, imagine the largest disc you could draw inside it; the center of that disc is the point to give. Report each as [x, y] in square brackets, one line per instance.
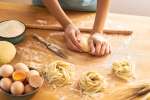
[36, 81]
[17, 88]
[6, 70]
[32, 72]
[5, 84]
[28, 88]
[21, 66]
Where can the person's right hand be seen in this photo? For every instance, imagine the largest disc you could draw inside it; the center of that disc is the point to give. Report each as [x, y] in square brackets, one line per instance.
[99, 45]
[72, 35]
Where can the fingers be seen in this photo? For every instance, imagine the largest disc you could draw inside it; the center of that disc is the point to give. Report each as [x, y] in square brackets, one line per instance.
[92, 47]
[78, 35]
[101, 49]
[72, 37]
[98, 48]
[107, 51]
[70, 45]
[75, 39]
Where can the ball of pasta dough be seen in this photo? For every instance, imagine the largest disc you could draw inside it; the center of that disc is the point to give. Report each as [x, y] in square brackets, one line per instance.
[7, 53]
[84, 42]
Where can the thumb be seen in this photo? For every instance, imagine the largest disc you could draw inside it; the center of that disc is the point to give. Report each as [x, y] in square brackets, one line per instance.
[78, 35]
[92, 47]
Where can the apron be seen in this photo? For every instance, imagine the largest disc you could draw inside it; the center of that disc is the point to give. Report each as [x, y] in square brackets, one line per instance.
[79, 5]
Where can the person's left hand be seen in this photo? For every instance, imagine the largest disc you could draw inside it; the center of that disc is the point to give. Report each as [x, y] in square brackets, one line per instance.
[99, 46]
[72, 35]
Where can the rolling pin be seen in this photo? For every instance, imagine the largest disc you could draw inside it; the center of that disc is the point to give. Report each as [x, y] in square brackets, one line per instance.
[85, 29]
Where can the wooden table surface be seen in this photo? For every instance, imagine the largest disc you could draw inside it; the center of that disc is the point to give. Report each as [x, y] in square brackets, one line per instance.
[135, 48]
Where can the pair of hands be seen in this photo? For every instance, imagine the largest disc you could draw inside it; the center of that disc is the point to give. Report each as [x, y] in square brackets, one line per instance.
[99, 46]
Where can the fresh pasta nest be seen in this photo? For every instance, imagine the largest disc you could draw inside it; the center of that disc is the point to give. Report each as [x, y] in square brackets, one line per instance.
[58, 73]
[123, 70]
[91, 82]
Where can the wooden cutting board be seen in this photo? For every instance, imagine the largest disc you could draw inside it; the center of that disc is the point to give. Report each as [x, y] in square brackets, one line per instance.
[135, 48]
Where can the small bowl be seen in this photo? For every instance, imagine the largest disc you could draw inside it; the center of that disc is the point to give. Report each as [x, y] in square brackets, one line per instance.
[23, 95]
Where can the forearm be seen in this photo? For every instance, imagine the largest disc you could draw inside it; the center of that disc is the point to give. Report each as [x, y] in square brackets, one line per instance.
[56, 10]
[101, 14]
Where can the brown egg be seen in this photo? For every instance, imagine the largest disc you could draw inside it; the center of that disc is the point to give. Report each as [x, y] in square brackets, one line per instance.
[36, 81]
[5, 84]
[32, 72]
[21, 66]
[17, 88]
[6, 70]
[28, 88]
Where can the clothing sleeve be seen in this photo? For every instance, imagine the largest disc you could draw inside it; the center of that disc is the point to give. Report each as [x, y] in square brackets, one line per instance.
[37, 2]
[79, 5]
[86, 2]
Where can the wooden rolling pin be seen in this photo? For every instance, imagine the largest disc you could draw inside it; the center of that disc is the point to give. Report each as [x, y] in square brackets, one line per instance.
[86, 30]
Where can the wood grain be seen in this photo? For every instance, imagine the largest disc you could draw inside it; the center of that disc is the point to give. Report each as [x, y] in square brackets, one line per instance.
[133, 47]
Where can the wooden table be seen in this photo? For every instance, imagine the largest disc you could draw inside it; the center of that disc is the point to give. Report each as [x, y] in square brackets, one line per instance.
[135, 48]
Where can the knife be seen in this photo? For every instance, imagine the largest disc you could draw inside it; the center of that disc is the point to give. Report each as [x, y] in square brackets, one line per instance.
[51, 46]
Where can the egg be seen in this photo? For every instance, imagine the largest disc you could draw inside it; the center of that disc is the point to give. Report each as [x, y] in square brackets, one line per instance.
[28, 88]
[32, 72]
[19, 75]
[36, 81]
[21, 66]
[6, 70]
[5, 84]
[17, 88]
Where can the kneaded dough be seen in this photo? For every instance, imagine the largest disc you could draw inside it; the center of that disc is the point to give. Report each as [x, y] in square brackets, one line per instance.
[84, 42]
[7, 52]
[147, 97]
